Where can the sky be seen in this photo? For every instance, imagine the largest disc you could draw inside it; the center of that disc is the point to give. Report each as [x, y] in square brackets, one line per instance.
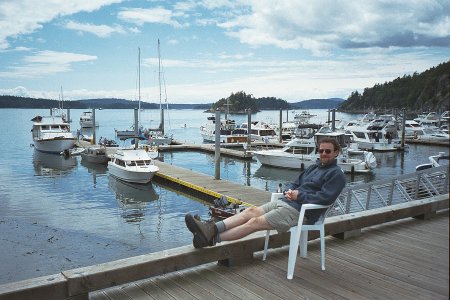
[288, 49]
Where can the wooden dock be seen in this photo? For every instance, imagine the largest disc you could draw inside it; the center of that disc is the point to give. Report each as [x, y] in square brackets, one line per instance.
[208, 185]
[405, 259]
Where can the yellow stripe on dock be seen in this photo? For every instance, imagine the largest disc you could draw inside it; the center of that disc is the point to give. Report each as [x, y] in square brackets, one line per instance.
[200, 189]
[208, 185]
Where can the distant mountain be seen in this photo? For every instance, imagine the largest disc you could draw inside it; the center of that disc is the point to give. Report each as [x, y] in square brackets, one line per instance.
[329, 103]
[107, 103]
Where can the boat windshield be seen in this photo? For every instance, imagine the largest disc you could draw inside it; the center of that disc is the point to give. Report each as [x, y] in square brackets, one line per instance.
[300, 150]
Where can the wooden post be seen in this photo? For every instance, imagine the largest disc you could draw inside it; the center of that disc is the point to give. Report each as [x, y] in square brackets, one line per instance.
[93, 127]
[280, 130]
[217, 145]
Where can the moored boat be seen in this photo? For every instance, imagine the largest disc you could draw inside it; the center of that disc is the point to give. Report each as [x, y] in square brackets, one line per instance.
[95, 155]
[229, 131]
[434, 161]
[302, 152]
[52, 134]
[132, 165]
[87, 120]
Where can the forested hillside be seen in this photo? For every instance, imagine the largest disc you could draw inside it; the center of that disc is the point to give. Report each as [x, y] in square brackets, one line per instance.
[427, 91]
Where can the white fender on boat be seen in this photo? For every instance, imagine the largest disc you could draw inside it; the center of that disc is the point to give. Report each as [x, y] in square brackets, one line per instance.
[370, 159]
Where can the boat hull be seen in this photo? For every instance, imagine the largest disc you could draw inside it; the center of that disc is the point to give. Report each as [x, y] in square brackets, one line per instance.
[281, 159]
[143, 175]
[56, 145]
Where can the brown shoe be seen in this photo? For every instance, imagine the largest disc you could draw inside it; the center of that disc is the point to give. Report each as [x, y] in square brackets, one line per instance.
[205, 231]
[199, 242]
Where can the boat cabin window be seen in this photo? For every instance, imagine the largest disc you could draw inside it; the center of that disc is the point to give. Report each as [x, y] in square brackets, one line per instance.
[119, 162]
[359, 135]
[131, 163]
[301, 150]
[44, 127]
[140, 163]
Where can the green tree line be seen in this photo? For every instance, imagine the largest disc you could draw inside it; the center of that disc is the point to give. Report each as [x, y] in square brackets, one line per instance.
[427, 91]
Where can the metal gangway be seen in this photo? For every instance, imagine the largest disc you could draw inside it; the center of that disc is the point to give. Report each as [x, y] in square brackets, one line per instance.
[422, 184]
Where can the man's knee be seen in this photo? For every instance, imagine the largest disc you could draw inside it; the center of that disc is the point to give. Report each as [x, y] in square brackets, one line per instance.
[257, 223]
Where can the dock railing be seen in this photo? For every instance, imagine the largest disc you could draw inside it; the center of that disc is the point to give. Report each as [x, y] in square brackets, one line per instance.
[419, 194]
[402, 189]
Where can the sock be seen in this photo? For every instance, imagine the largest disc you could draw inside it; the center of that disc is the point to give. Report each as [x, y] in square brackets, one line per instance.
[216, 238]
[220, 226]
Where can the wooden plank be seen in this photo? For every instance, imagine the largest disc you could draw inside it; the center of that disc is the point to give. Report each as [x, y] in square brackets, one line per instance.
[353, 271]
[226, 282]
[151, 288]
[134, 291]
[172, 288]
[310, 271]
[235, 276]
[182, 279]
[274, 280]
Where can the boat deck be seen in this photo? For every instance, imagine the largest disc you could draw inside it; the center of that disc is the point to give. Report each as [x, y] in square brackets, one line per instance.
[405, 259]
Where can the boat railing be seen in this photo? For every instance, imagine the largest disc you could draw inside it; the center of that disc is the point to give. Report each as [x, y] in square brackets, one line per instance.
[401, 189]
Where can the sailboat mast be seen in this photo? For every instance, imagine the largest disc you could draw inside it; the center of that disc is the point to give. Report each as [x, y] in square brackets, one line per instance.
[139, 78]
[159, 74]
[62, 99]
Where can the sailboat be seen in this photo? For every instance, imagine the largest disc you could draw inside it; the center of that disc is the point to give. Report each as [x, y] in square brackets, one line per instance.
[130, 133]
[157, 136]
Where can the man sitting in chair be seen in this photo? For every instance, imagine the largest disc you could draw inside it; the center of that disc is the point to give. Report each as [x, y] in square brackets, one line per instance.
[321, 183]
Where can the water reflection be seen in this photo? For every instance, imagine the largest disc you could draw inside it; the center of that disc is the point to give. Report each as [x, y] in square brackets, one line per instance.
[94, 169]
[132, 199]
[51, 165]
[272, 177]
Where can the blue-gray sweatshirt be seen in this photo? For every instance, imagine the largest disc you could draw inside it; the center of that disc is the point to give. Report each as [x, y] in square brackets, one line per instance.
[317, 185]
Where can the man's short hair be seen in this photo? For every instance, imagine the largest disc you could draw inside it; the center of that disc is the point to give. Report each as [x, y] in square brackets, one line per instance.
[332, 141]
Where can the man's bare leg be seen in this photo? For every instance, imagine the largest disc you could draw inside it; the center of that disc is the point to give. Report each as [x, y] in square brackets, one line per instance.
[244, 223]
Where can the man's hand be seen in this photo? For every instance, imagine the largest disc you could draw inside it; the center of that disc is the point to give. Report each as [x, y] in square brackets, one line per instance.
[291, 194]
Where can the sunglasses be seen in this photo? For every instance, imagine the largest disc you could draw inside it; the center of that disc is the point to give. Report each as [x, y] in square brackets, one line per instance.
[327, 151]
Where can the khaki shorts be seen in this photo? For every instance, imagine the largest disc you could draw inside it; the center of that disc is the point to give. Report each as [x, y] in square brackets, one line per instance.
[280, 215]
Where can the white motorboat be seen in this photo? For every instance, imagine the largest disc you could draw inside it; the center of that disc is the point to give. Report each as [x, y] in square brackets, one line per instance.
[430, 119]
[229, 131]
[132, 165]
[434, 161]
[412, 128]
[261, 132]
[52, 134]
[95, 155]
[432, 135]
[378, 134]
[301, 152]
[87, 120]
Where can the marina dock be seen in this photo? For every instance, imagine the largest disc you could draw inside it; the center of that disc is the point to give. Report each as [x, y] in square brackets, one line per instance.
[392, 252]
[201, 184]
[386, 262]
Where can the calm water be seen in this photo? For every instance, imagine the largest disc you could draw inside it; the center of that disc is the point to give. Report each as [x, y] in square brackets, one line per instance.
[57, 214]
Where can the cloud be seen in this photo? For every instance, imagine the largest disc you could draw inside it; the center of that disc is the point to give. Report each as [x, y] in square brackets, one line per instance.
[102, 31]
[20, 17]
[321, 25]
[44, 63]
[157, 15]
[18, 91]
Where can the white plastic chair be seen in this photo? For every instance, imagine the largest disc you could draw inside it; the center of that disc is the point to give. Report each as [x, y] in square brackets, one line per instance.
[300, 233]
